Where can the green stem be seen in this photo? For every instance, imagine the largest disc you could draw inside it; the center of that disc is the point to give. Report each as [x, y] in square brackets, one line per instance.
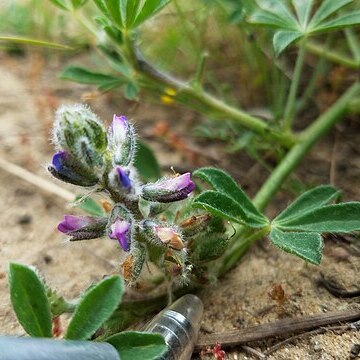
[149, 74]
[308, 139]
[295, 82]
[354, 44]
[332, 55]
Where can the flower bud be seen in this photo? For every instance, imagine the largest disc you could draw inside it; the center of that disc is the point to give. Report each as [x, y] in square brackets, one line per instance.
[133, 264]
[163, 235]
[78, 131]
[120, 225]
[68, 169]
[83, 227]
[169, 189]
[122, 141]
[195, 224]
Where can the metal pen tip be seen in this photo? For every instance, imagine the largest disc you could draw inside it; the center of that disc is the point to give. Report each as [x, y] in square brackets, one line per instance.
[179, 324]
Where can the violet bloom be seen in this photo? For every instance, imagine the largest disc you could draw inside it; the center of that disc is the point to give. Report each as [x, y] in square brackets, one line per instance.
[169, 189]
[123, 178]
[82, 227]
[119, 230]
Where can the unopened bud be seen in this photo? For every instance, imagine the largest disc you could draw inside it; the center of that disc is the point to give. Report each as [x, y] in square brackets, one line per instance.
[169, 189]
[78, 131]
[122, 141]
[83, 227]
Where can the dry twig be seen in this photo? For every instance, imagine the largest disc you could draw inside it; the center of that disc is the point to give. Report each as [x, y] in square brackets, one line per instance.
[277, 328]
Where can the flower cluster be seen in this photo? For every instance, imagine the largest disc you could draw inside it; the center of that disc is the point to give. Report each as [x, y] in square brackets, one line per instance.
[88, 155]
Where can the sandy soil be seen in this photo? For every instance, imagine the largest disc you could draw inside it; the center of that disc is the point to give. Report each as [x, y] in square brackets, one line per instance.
[28, 218]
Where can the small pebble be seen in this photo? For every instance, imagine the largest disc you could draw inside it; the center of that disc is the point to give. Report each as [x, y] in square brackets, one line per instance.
[48, 259]
[25, 219]
[355, 351]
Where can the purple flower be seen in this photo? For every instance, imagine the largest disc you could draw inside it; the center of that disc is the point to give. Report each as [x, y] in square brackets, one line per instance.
[123, 178]
[82, 227]
[119, 230]
[169, 189]
[67, 168]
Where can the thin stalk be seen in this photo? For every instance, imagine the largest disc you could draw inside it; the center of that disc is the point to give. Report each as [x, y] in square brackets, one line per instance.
[294, 87]
[354, 44]
[332, 55]
[149, 74]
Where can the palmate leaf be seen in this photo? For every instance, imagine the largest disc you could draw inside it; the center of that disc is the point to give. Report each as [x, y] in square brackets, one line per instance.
[303, 10]
[128, 14]
[95, 307]
[62, 4]
[327, 8]
[282, 39]
[221, 205]
[307, 246]
[308, 201]
[343, 217]
[225, 184]
[29, 301]
[133, 345]
[340, 22]
[34, 42]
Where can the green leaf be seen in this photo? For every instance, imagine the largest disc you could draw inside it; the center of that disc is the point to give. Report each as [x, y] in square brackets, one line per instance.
[303, 10]
[261, 17]
[84, 76]
[146, 163]
[343, 217]
[307, 246]
[309, 200]
[150, 8]
[342, 21]
[282, 39]
[34, 42]
[95, 307]
[101, 4]
[132, 10]
[29, 301]
[90, 206]
[327, 8]
[133, 345]
[78, 3]
[131, 91]
[224, 183]
[224, 206]
[61, 4]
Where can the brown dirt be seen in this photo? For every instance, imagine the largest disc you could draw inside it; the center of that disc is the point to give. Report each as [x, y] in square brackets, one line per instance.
[29, 92]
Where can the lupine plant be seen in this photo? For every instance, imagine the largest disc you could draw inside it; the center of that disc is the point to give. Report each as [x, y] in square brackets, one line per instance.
[193, 234]
[186, 236]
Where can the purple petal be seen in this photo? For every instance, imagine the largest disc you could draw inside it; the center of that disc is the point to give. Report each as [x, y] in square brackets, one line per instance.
[177, 183]
[73, 223]
[58, 159]
[124, 179]
[119, 231]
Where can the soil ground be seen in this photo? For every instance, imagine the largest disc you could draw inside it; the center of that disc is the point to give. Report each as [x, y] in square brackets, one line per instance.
[29, 93]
